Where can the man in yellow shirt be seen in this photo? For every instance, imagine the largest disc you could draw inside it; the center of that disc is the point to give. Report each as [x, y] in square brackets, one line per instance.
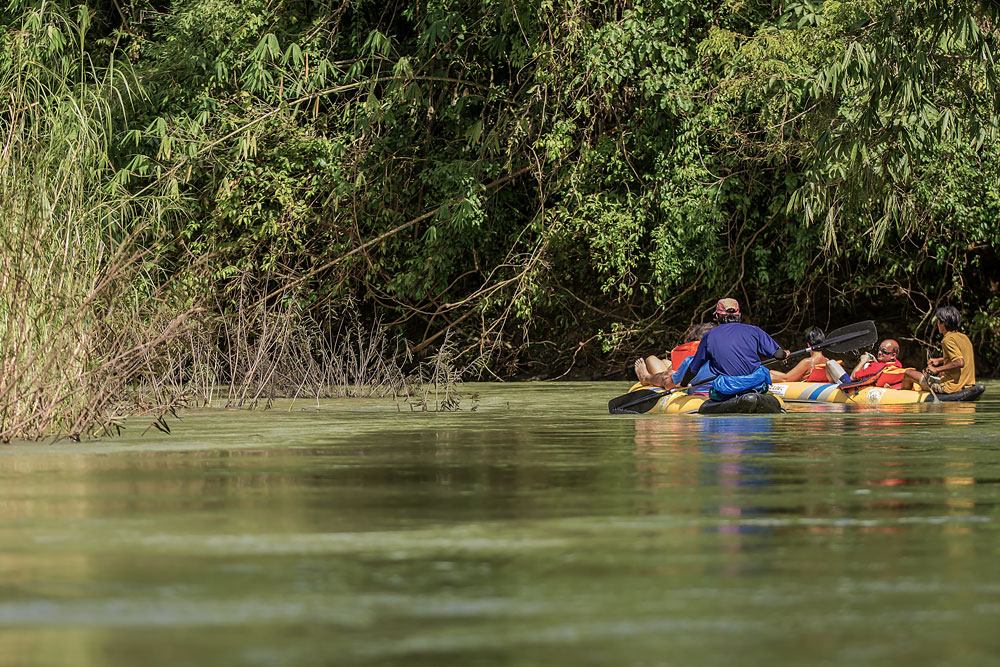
[957, 366]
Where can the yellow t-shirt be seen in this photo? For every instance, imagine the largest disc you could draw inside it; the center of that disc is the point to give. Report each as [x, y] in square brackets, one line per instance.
[956, 345]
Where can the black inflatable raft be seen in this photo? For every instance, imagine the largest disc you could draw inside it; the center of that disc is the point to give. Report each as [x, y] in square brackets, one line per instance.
[967, 394]
[745, 404]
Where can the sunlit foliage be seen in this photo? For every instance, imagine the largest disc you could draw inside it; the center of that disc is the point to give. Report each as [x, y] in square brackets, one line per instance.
[562, 182]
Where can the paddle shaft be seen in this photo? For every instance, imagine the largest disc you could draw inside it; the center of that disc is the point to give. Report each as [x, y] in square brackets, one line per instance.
[929, 387]
[835, 344]
[839, 343]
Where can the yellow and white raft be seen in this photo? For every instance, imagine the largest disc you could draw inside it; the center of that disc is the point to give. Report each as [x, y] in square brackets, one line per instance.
[823, 392]
[814, 392]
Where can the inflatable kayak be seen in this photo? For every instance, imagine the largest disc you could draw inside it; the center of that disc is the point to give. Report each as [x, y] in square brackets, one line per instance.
[663, 402]
[823, 392]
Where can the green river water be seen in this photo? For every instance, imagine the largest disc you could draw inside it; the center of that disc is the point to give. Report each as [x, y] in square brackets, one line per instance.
[536, 530]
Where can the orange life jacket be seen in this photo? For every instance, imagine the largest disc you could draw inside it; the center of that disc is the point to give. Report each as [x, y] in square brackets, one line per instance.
[818, 374]
[892, 377]
[682, 352]
[892, 373]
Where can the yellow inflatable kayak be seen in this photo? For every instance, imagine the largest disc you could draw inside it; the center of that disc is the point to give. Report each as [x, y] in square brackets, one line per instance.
[656, 400]
[822, 392]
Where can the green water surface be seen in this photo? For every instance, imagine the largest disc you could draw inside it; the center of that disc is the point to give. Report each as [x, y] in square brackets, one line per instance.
[536, 530]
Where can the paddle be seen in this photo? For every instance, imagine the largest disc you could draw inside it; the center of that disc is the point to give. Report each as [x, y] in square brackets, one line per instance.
[638, 398]
[860, 384]
[844, 339]
[927, 379]
[931, 389]
[642, 400]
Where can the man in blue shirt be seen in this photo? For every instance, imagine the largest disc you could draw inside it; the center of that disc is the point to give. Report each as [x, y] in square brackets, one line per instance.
[733, 351]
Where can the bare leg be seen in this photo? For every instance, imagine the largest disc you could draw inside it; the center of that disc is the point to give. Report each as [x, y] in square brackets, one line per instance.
[658, 379]
[642, 372]
[911, 378]
[656, 365]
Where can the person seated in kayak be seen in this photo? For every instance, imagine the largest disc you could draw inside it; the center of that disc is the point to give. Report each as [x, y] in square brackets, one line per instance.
[732, 352]
[885, 364]
[955, 370]
[686, 350]
[654, 372]
[810, 369]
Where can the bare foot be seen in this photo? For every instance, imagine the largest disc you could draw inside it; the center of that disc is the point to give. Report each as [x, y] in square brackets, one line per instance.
[641, 371]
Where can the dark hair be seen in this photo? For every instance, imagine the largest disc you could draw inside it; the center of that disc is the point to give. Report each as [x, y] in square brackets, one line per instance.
[727, 318]
[949, 317]
[815, 336]
[696, 331]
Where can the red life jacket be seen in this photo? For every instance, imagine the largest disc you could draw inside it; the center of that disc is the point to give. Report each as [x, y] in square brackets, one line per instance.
[682, 352]
[892, 375]
[818, 374]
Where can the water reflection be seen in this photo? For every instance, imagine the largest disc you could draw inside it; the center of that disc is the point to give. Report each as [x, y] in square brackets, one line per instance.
[841, 464]
[954, 414]
[547, 531]
[737, 442]
[721, 454]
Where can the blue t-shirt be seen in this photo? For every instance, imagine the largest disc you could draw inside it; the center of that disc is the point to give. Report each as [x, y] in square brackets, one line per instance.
[701, 378]
[733, 349]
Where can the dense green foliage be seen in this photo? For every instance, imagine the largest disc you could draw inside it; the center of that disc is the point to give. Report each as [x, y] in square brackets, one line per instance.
[564, 182]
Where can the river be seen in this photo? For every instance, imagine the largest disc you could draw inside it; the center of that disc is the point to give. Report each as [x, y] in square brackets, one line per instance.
[536, 529]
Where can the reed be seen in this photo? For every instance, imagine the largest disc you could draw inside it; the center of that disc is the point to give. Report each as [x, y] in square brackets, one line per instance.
[81, 296]
[436, 385]
[95, 325]
[252, 351]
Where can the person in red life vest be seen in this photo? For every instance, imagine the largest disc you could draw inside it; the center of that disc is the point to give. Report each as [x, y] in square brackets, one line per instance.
[692, 337]
[810, 369]
[653, 371]
[886, 362]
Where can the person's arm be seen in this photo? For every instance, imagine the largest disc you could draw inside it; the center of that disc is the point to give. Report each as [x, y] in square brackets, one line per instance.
[865, 359]
[941, 366]
[768, 347]
[951, 351]
[674, 380]
[797, 372]
[697, 361]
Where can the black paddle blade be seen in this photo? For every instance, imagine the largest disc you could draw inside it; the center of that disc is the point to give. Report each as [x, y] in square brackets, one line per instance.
[635, 402]
[852, 337]
[845, 339]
